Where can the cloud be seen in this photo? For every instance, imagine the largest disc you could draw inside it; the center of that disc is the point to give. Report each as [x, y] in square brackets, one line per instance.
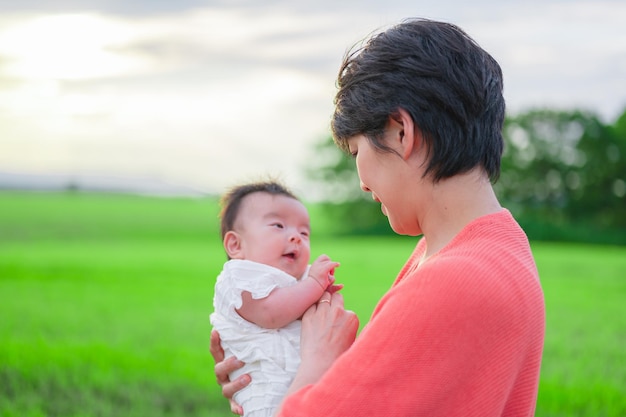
[566, 56]
[200, 104]
[116, 7]
[207, 93]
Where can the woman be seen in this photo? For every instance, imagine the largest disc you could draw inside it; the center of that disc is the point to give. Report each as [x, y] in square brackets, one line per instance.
[460, 333]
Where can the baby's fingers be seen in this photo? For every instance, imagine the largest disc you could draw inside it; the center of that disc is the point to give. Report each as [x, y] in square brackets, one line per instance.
[334, 288]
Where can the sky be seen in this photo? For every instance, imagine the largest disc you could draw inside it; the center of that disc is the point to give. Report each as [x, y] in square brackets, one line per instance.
[208, 94]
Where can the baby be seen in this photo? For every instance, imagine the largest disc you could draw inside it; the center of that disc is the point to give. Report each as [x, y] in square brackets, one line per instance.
[265, 287]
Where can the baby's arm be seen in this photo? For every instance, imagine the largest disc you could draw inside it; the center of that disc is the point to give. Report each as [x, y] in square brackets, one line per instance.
[284, 305]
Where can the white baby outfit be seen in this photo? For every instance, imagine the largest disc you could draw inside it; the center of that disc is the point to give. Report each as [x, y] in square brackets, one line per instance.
[271, 356]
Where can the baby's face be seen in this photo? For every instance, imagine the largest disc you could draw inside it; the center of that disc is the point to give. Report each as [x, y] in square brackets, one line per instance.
[274, 230]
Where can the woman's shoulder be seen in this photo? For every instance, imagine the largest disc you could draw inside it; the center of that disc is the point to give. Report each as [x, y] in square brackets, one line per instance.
[489, 261]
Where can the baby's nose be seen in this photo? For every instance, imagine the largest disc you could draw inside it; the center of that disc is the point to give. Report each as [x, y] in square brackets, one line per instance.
[295, 237]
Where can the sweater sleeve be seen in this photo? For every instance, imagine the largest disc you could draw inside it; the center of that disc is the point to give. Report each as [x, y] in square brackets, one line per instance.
[449, 339]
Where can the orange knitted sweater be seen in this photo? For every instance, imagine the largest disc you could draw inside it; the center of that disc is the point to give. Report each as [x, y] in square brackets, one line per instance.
[460, 335]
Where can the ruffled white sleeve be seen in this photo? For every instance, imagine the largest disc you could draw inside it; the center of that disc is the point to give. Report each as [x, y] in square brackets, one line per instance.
[242, 275]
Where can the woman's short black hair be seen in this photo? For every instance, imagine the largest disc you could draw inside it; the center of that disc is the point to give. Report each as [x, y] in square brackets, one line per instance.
[449, 85]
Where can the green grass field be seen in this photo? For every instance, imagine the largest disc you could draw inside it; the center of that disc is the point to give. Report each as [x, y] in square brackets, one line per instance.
[105, 303]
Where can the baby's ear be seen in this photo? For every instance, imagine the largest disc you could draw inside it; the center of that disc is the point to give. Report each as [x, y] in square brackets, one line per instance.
[232, 245]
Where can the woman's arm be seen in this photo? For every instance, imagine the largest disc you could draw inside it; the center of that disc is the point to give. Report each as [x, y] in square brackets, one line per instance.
[437, 345]
[328, 330]
[284, 305]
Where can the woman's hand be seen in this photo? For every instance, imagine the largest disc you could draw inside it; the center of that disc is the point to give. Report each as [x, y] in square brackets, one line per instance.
[328, 330]
[223, 368]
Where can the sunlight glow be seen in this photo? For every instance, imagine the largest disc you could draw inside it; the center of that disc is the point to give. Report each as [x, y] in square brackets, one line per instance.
[72, 46]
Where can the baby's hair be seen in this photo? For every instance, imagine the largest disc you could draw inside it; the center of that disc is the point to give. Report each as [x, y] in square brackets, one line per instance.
[231, 201]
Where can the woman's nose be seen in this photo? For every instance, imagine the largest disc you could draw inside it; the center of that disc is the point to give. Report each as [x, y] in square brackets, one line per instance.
[365, 188]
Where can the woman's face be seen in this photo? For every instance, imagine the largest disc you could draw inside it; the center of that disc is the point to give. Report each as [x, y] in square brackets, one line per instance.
[387, 175]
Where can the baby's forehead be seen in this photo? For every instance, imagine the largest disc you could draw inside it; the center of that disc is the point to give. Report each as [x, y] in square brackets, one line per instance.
[262, 199]
[263, 204]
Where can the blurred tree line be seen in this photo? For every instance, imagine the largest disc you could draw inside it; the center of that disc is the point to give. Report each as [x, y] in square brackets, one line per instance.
[563, 177]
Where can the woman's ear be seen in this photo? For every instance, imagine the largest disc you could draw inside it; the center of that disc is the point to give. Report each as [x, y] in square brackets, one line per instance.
[232, 245]
[406, 137]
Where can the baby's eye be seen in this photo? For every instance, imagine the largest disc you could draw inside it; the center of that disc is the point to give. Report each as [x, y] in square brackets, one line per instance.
[305, 234]
[278, 225]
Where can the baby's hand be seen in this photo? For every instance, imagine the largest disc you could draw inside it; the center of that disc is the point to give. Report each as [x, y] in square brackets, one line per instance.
[323, 271]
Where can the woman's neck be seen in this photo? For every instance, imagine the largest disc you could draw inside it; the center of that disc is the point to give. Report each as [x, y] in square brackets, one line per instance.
[456, 202]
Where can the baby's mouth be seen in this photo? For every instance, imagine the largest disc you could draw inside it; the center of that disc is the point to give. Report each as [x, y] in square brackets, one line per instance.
[290, 255]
